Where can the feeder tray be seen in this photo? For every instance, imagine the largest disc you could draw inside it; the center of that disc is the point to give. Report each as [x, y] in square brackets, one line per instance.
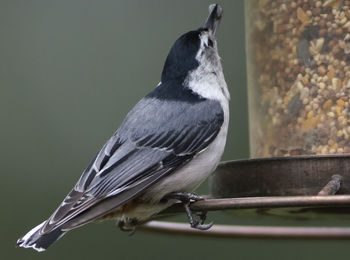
[300, 187]
[300, 179]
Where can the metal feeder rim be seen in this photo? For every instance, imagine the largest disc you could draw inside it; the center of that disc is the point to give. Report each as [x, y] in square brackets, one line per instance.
[286, 158]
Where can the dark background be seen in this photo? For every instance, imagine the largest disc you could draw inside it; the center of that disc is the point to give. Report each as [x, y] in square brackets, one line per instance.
[69, 73]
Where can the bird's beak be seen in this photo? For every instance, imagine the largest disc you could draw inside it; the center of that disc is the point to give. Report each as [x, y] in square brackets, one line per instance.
[215, 14]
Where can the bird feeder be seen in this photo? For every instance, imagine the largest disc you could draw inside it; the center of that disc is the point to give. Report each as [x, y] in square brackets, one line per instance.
[298, 63]
[298, 72]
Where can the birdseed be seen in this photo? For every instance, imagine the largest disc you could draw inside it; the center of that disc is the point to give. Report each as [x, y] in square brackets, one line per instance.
[298, 60]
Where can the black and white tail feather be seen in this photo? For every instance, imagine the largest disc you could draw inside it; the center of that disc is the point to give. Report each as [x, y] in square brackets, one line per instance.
[40, 243]
[175, 132]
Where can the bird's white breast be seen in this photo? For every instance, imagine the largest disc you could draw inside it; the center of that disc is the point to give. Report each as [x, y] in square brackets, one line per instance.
[189, 177]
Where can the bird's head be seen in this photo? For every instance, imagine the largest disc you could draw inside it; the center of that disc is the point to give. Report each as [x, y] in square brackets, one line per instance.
[194, 49]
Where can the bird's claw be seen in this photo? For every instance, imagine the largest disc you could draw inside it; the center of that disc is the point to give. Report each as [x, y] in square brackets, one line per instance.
[194, 223]
[124, 227]
[186, 198]
[202, 226]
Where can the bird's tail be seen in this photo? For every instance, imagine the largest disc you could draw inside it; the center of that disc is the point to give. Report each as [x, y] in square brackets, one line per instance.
[33, 239]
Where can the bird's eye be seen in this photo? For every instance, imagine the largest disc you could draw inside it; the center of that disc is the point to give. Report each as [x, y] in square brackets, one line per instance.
[210, 43]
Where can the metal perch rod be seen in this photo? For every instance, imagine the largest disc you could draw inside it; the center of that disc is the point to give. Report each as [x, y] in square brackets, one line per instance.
[265, 202]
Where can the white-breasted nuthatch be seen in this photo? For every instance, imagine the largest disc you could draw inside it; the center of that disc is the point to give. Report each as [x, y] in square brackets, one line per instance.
[165, 148]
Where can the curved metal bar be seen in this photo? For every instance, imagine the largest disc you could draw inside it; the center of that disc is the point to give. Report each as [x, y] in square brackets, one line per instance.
[227, 231]
[265, 202]
[269, 202]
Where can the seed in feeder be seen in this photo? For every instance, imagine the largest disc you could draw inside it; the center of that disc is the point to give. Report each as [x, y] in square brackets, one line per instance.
[339, 133]
[327, 105]
[339, 31]
[322, 118]
[336, 83]
[324, 150]
[330, 142]
[340, 150]
[310, 114]
[341, 120]
[338, 110]
[340, 102]
[331, 114]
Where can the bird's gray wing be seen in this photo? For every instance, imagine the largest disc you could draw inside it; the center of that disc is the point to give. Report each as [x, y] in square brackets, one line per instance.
[156, 138]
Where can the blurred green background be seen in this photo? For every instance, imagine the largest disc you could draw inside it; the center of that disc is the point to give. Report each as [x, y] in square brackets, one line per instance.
[69, 73]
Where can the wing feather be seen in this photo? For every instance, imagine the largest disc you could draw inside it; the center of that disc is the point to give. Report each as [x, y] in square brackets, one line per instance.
[154, 140]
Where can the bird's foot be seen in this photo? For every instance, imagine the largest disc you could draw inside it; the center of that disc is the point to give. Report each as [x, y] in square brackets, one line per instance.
[195, 223]
[127, 227]
[186, 198]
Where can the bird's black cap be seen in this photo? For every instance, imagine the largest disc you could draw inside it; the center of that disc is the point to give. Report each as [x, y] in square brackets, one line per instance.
[182, 56]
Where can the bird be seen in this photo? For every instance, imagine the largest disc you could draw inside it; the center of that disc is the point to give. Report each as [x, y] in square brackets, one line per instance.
[166, 146]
